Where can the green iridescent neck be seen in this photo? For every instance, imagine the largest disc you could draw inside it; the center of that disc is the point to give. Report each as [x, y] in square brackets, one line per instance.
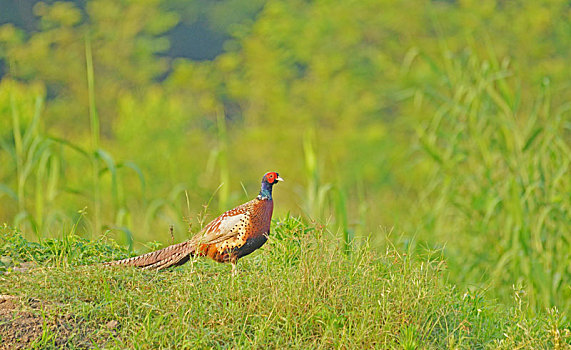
[266, 191]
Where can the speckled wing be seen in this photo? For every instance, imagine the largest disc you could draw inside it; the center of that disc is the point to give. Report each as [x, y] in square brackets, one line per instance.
[228, 225]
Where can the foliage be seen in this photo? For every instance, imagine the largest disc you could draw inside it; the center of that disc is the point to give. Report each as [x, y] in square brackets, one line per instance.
[40, 162]
[446, 120]
[501, 183]
[317, 297]
[125, 35]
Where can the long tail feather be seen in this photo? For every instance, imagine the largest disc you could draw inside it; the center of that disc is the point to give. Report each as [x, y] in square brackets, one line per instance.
[174, 260]
[173, 255]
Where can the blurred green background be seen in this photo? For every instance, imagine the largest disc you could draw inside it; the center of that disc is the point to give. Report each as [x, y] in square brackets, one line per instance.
[438, 125]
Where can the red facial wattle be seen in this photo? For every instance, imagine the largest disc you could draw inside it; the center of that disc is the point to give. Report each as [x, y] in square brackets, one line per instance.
[271, 177]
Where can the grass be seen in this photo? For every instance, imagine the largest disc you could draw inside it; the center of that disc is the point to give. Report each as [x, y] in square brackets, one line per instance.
[299, 291]
[498, 195]
[40, 174]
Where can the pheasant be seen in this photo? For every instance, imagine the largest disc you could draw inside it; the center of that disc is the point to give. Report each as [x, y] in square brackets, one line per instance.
[229, 237]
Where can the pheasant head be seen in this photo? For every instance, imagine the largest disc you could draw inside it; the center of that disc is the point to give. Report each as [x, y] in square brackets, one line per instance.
[268, 181]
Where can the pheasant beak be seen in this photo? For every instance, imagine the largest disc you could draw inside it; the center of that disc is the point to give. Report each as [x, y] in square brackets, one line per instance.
[279, 178]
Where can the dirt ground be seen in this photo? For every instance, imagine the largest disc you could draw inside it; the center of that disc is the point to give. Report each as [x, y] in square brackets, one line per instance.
[22, 329]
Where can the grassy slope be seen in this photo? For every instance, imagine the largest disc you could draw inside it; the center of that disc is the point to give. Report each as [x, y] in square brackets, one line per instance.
[298, 291]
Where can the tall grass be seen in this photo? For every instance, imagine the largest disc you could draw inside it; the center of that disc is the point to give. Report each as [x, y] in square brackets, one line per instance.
[499, 194]
[36, 160]
[94, 132]
[317, 188]
[322, 200]
[26, 152]
[45, 175]
[224, 190]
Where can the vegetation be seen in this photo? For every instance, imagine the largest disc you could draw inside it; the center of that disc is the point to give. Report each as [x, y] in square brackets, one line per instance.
[446, 123]
[300, 291]
[497, 194]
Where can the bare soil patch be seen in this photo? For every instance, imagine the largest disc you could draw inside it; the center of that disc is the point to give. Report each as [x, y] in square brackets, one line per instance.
[21, 329]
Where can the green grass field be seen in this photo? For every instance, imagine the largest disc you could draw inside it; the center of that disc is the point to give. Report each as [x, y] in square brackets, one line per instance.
[301, 290]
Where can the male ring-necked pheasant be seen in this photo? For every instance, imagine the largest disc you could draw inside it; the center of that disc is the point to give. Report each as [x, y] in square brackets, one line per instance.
[232, 235]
